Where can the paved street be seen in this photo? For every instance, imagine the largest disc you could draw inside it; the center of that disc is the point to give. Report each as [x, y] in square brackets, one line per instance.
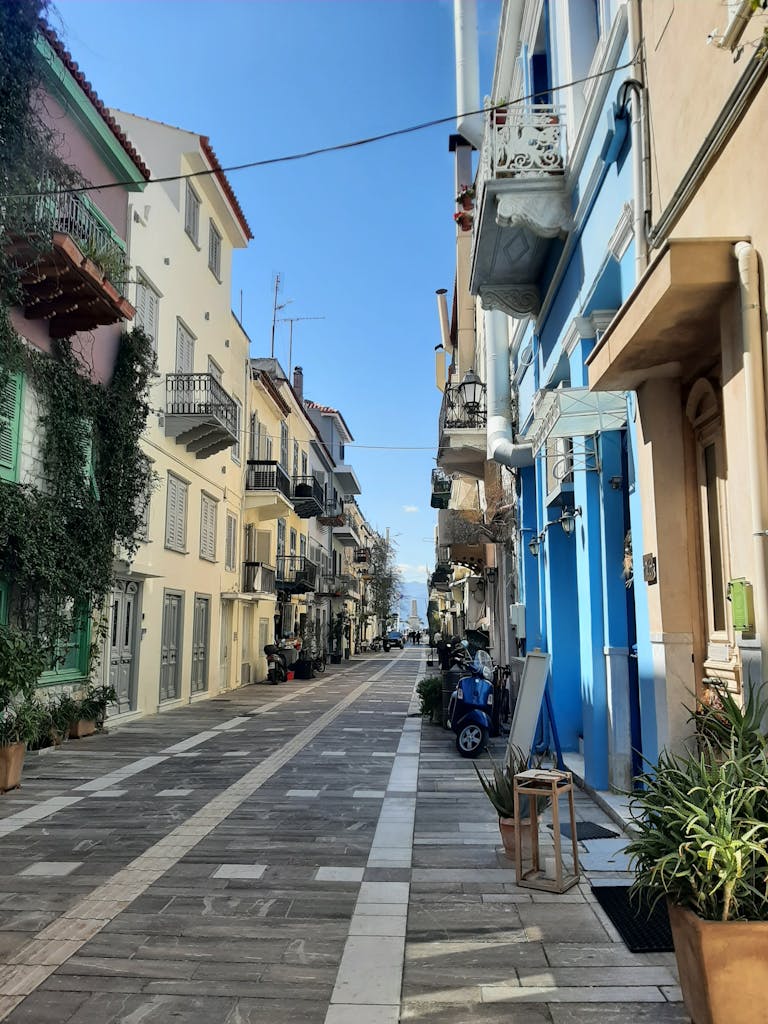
[265, 856]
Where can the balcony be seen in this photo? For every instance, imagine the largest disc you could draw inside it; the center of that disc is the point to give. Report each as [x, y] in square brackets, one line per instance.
[296, 574]
[462, 432]
[362, 556]
[307, 496]
[441, 489]
[336, 586]
[267, 488]
[199, 413]
[332, 514]
[72, 265]
[346, 532]
[259, 578]
[522, 206]
[440, 579]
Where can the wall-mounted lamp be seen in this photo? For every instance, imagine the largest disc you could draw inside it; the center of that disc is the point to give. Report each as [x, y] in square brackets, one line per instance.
[491, 574]
[568, 519]
[615, 482]
[533, 546]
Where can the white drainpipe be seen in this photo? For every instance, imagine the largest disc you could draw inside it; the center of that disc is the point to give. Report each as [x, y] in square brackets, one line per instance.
[757, 449]
[467, 71]
[501, 446]
[637, 133]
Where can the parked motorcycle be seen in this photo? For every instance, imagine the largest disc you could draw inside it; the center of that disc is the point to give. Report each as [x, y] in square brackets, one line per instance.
[470, 712]
[277, 670]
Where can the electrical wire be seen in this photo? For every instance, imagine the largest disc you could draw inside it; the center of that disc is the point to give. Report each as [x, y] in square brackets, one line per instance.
[339, 147]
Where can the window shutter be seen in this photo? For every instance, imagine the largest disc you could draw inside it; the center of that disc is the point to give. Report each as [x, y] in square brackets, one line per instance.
[171, 511]
[231, 552]
[263, 545]
[10, 422]
[181, 515]
[253, 437]
[207, 527]
[185, 350]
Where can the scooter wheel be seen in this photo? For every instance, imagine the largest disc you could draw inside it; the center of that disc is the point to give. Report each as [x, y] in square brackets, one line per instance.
[471, 740]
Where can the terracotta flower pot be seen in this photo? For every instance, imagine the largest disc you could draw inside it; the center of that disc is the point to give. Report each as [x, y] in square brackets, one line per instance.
[11, 764]
[82, 727]
[723, 967]
[508, 828]
[467, 202]
[465, 223]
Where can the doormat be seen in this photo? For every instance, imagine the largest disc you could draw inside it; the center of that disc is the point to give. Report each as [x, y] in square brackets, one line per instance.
[641, 933]
[587, 830]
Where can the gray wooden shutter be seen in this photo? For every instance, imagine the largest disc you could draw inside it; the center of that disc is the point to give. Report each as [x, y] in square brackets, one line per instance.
[185, 350]
[263, 544]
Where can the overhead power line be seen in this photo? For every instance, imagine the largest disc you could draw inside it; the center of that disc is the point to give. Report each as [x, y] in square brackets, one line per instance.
[339, 147]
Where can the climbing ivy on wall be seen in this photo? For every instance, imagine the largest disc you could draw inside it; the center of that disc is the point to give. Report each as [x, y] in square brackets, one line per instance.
[59, 535]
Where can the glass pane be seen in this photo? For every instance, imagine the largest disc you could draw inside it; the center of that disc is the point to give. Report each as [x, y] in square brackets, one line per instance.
[715, 549]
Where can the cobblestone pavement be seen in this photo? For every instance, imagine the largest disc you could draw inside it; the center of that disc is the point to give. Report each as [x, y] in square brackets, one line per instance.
[307, 853]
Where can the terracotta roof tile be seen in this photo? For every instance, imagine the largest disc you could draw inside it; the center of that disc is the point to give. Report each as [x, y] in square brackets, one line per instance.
[213, 160]
[326, 410]
[66, 58]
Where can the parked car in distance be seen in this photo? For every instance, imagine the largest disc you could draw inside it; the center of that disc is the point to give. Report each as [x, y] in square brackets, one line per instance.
[394, 639]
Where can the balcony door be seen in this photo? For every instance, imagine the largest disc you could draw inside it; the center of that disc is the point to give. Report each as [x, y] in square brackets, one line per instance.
[185, 349]
[225, 644]
[170, 647]
[122, 644]
[200, 636]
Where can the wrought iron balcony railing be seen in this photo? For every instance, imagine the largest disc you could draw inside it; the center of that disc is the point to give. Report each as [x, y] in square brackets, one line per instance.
[362, 556]
[308, 496]
[76, 216]
[267, 475]
[199, 394]
[441, 489]
[296, 573]
[458, 414]
[259, 578]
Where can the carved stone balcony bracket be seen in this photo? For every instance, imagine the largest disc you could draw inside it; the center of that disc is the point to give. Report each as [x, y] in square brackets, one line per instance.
[514, 300]
[547, 215]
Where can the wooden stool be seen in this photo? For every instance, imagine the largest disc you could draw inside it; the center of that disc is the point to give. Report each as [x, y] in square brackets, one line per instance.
[551, 785]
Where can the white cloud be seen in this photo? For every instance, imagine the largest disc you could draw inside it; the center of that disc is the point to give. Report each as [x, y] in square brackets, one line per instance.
[410, 508]
[412, 573]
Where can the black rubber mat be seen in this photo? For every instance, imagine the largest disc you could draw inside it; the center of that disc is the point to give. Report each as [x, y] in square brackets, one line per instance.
[587, 830]
[641, 933]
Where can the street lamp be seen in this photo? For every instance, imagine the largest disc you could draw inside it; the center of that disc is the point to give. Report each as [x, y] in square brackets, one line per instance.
[533, 546]
[568, 519]
[471, 389]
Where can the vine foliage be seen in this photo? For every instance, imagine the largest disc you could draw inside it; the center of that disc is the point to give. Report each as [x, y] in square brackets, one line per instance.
[59, 534]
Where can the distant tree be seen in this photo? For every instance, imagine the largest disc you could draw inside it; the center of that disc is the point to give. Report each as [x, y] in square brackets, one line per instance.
[386, 582]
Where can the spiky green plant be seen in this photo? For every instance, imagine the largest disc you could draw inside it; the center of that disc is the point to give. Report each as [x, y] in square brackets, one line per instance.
[430, 691]
[724, 722]
[500, 788]
[702, 834]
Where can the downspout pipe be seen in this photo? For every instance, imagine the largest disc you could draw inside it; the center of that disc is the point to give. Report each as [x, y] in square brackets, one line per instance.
[501, 446]
[640, 164]
[469, 125]
[755, 427]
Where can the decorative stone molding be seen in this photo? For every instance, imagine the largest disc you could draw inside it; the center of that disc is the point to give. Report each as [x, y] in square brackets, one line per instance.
[547, 215]
[514, 300]
[623, 233]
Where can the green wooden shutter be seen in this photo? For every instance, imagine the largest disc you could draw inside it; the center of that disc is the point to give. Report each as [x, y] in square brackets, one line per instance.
[3, 602]
[10, 425]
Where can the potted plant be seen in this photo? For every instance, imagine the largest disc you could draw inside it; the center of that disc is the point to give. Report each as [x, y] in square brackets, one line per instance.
[430, 691]
[22, 660]
[500, 791]
[466, 197]
[92, 711]
[702, 843]
[464, 220]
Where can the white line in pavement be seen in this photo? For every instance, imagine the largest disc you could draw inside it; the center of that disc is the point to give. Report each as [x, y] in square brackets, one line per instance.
[23, 972]
[370, 974]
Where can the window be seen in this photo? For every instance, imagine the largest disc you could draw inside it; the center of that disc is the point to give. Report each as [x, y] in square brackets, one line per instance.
[253, 437]
[295, 458]
[303, 546]
[214, 250]
[230, 556]
[341, 452]
[192, 214]
[10, 425]
[85, 444]
[238, 421]
[71, 658]
[304, 470]
[176, 514]
[207, 528]
[280, 537]
[147, 309]
[185, 349]
[293, 541]
[3, 602]
[214, 369]
[284, 446]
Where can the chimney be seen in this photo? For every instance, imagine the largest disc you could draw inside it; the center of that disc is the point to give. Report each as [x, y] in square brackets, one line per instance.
[298, 383]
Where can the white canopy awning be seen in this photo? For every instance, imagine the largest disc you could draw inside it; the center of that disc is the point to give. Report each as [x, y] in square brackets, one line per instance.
[575, 412]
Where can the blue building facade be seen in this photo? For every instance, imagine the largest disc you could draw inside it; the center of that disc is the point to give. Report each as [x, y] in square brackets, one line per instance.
[554, 250]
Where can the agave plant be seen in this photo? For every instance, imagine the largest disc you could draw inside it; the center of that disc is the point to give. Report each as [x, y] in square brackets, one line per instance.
[702, 833]
[723, 722]
[500, 788]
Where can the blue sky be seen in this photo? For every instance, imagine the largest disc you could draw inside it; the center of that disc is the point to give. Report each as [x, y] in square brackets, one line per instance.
[362, 238]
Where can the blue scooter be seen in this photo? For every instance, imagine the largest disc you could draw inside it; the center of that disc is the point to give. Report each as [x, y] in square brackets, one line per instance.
[471, 706]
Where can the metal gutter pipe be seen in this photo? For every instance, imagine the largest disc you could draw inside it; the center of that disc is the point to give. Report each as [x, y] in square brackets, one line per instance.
[637, 132]
[755, 424]
[501, 446]
[467, 72]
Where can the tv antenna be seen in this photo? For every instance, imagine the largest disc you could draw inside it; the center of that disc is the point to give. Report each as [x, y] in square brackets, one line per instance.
[276, 307]
[292, 320]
